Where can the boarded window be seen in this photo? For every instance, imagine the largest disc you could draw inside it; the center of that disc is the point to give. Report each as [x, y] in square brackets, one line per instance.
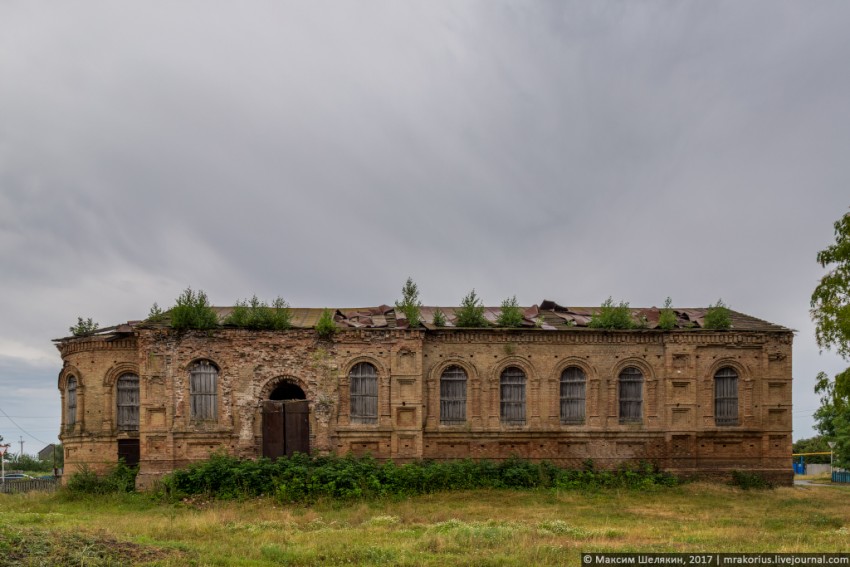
[453, 396]
[572, 395]
[512, 390]
[726, 397]
[71, 398]
[631, 395]
[364, 393]
[203, 388]
[127, 397]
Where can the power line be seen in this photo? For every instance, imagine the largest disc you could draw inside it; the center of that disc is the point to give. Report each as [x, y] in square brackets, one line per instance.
[28, 434]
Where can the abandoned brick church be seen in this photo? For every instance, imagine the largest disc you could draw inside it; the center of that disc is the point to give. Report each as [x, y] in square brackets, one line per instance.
[697, 402]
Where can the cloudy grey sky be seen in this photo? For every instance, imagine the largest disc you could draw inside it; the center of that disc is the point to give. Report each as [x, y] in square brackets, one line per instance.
[325, 151]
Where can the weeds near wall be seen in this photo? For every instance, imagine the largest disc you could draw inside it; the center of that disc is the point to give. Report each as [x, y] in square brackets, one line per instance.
[306, 479]
[119, 478]
[749, 481]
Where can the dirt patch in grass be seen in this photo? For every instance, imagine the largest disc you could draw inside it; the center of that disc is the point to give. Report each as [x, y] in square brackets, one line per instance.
[29, 546]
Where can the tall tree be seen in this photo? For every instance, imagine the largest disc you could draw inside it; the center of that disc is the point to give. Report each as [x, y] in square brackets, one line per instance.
[830, 311]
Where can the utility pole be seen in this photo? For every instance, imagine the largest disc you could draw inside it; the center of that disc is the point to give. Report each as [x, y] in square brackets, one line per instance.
[22, 447]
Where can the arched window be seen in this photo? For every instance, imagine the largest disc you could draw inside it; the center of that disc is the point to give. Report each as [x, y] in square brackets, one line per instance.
[364, 393]
[71, 401]
[726, 397]
[631, 395]
[127, 402]
[512, 391]
[572, 395]
[453, 395]
[203, 390]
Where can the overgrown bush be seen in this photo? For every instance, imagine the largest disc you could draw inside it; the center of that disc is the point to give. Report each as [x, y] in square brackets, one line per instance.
[119, 478]
[192, 310]
[718, 316]
[305, 479]
[612, 316]
[471, 312]
[511, 314]
[256, 314]
[326, 326]
[748, 480]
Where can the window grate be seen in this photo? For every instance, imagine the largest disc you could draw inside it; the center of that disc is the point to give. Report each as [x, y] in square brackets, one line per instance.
[203, 391]
[364, 393]
[573, 393]
[631, 395]
[726, 397]
[127, 402]
[512, 391]
[453, 396]
[71, 393]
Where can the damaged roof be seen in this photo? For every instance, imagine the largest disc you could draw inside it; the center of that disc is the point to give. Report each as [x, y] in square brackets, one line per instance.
[547, 316]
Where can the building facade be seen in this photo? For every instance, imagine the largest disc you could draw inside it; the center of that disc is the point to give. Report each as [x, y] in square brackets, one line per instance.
[697, 402]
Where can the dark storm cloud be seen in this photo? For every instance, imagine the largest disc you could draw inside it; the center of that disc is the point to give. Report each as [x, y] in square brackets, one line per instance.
[326, 151]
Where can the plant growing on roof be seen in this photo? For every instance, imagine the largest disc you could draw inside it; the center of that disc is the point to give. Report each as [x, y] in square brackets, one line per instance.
[83, 327]
[325, 326]
[155, 314]
[511, 314]
[192, 310]
[667, 317]
[410, 304]
[256, 314]
[718, 316]
[471, 312]
[611, 316]
[439, 318]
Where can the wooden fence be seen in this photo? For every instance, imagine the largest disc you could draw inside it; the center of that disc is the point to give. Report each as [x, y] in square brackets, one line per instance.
[43, 485]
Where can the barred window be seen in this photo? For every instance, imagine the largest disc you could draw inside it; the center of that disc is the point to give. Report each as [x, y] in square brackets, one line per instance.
[572, 395]
[512, 391]
[631, 395]
[364, 393]
[453, 396]
[726, 397]
[127, 401]
[203, 390]
[71, 400]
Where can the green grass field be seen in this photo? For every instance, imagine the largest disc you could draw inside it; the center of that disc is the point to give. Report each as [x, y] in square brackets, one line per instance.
[484, 527]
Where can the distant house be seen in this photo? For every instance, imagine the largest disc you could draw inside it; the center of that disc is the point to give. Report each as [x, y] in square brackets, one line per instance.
[695, 401]
[46, 454]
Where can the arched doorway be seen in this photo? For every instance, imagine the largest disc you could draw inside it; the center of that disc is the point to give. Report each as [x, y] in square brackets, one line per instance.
[286, 421]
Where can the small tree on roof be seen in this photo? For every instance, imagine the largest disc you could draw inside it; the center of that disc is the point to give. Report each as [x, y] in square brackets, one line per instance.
[471, 312]
[83, 327]
[511, 314]
[718, 316]
[410, 304]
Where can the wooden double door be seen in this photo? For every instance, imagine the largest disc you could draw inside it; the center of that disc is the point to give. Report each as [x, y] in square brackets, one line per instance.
[286, 428]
